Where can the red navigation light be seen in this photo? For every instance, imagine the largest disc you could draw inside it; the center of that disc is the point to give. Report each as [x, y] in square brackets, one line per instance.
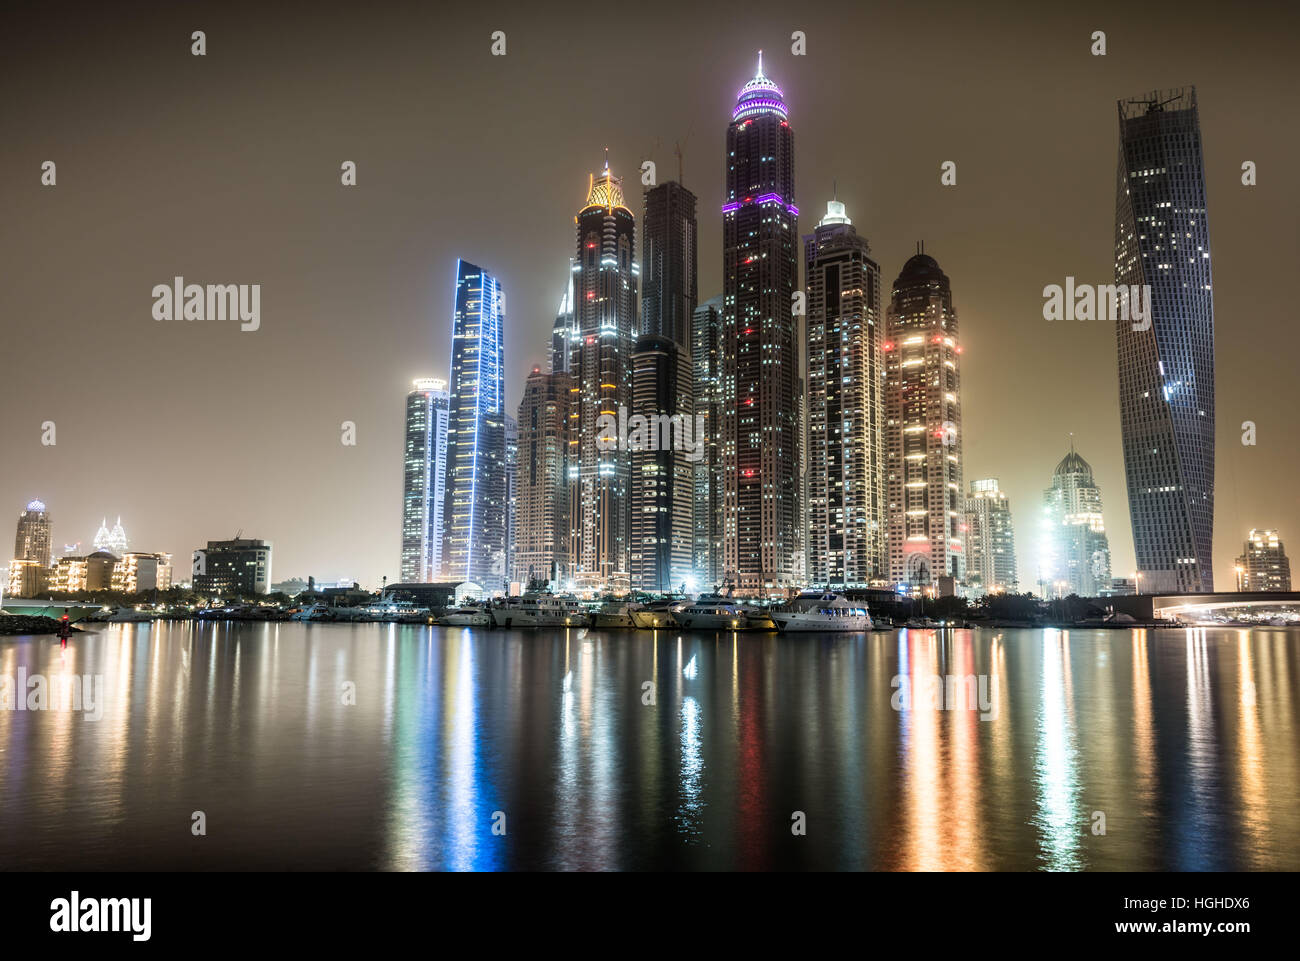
[889, 346]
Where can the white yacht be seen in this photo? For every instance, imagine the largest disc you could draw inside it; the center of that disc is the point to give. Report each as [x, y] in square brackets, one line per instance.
[128, 615]
[539, 610]
[317, 612]
[712, 614]
[657, 615]
[615, 614]
[822, 613]
[467, 615]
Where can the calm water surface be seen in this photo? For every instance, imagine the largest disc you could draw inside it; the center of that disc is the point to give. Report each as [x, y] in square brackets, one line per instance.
[1186, 741]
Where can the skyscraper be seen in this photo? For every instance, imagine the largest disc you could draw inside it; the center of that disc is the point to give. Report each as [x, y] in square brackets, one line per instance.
[923, 458]
[760, 358]
[1166, 369]
[562, 333]
[706, 330]
[424, 468]
[114, 541]
[1075, 556]
[542, 504]
[663, 476]
[32, 540]
[845, 426]
[1263, 564]
[475, 508]
[605, 321]
[990, 540]
[512, 489]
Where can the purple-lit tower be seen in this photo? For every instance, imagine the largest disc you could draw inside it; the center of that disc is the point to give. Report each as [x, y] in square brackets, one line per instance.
[759, 345]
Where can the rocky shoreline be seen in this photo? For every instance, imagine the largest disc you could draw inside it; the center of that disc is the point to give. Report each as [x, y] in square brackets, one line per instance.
[23, 624]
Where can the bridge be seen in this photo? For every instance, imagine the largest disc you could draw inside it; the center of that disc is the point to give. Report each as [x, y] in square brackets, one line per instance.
[1148, 607]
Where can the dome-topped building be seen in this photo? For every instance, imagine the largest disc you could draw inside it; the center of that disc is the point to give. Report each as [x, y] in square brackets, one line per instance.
[760, 96]
[1075, 553]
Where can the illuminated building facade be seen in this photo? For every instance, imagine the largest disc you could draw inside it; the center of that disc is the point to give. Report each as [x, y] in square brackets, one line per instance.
[542, 505]
[759, 345]
[236, 567]
[475, 492]
[1263, 564]
[663, 478]
[845, 505]
[424, 469]
[135, 571]
[562, 332]
[1166, 371]
[32, 539]
[706, 363]
[990, 540]
[113, 541]
[923, 457]
[1075, 556]
[605, 320]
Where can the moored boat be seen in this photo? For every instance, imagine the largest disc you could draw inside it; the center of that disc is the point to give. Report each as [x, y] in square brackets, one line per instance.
[822, 612]
[539, 610]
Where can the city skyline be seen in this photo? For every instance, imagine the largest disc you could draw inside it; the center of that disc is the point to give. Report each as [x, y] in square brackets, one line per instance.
[190, 513]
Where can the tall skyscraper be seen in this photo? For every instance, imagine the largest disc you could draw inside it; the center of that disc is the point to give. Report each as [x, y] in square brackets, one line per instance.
[923, 457]
[663, 477]
[1166, 370]
[32, 540]
[562, 332]
[845, 423]
[542, 505]
[990, 540]
[605, 318]
[760, 353]
[424, 469]
[512, 489]
[475, 507]
[1263, 564]
[1075, 556]
[706, 357]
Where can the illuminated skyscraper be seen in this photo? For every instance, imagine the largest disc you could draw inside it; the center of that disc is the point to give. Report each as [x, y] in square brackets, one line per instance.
[114, 541]
[1264, 565]
[605, 318]
[663, 476]
[923, 458]
[1075, 556]
[542, 504]
[845, 428]
[706, 330]
[512, 489]
[562, 333]
[990, 540]
[759, 346]
[32, 540]
[424, 468]
[1166, 369]
[475, 507]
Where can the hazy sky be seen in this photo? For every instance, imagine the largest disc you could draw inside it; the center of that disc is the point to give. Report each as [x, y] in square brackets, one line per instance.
[225, 169]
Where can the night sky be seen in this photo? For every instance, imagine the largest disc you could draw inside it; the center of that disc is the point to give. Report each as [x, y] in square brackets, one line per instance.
[224, 169]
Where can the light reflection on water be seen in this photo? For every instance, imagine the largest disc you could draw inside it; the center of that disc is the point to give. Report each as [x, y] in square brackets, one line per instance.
[467, 749]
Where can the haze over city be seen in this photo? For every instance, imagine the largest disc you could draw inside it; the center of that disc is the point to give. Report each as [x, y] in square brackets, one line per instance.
[225, 169]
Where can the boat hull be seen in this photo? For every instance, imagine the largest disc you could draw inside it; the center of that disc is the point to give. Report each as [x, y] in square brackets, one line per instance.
[811, 623]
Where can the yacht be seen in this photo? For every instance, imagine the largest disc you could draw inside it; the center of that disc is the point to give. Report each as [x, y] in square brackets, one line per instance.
[712, 614]
[467, 615]
[822, 613]
[317, 612]
[615, 614]
[127, 615]
[539, 610]
[657, 615]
